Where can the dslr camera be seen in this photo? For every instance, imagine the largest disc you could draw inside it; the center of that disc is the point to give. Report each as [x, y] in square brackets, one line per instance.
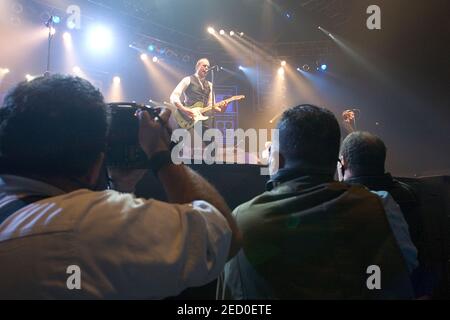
[123, 149]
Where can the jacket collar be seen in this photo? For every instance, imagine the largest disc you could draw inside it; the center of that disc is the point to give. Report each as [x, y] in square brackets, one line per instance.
[384, 180]
[302, 174]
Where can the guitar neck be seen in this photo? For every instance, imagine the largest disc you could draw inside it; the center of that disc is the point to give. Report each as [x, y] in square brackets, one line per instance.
[216, 105]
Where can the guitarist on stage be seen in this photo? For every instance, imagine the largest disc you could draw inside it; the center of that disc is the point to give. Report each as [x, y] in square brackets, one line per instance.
[193, 89]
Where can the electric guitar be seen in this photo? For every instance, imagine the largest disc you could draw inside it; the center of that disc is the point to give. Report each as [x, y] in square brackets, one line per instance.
[185, 122]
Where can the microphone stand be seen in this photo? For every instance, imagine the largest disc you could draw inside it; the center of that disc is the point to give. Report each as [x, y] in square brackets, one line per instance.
[49, 25]
[213, 115]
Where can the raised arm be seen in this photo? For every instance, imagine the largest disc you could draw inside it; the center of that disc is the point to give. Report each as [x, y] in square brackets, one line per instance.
[175, 97]
[182, 184]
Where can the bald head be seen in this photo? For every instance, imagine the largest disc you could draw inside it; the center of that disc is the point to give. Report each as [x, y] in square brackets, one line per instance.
[364, 154]
[200, 63]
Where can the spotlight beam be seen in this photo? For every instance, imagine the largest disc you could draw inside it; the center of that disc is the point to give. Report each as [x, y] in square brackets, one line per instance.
[115, 91]
[234, 73]
[275, 118]
[359, 58]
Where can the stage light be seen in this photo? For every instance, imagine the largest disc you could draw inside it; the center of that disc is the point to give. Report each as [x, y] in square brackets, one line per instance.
[4, 71]
[115, 92]
[327, 33]
[71, 25]
[56, 19]
[232, 33]
[76, 70]
[144, 57]
[241, 34]
[52, 31]
[155, 59]
[241, 68]
[283, 63]
[299, 70]
[151, 48]
[323, 67]
[211, 30]
[281, 71]
[222, 32]
[29, 77]
[100, 38]
[67, 36]
[306, 67]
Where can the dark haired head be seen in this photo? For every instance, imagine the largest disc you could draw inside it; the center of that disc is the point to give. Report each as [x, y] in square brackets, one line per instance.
[364, 154]
[54, 125]
[309, 135]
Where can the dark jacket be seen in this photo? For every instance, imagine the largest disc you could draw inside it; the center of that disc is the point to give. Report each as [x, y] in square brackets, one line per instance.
[403, 194]
[425, 278]
[309, 237]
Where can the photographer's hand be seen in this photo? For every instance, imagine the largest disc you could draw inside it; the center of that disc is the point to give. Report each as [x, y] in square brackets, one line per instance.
[125, 180]
[153, 138]
[153, 134]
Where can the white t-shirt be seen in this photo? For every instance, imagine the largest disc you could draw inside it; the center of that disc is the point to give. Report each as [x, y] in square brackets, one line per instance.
[125, 247]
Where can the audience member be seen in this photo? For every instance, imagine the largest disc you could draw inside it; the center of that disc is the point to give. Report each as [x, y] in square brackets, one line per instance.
[60, 239]
[362, 161]
[309, 237]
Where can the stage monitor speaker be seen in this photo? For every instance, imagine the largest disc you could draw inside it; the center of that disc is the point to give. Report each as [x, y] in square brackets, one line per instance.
[236, 183]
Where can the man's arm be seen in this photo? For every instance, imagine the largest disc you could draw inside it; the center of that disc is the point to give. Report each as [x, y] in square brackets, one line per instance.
[175, 97]
[182, 184]
[399, 228]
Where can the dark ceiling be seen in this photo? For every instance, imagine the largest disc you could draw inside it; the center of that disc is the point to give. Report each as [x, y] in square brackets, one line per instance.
[185, 21]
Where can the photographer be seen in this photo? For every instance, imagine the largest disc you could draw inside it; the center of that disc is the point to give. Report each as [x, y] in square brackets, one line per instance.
[52, 146]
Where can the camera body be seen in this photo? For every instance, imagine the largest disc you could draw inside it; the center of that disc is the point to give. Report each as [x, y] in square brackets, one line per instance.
[123, 149]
